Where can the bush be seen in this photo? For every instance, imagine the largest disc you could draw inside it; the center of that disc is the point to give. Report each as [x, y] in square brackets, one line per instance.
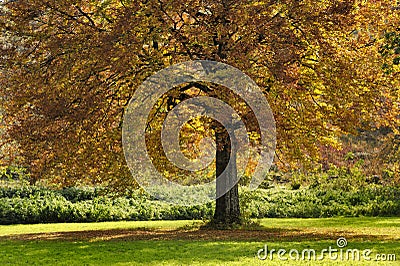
[316, 203]
[40, 205]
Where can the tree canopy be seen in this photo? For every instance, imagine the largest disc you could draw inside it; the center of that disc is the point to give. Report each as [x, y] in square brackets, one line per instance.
[69, 68]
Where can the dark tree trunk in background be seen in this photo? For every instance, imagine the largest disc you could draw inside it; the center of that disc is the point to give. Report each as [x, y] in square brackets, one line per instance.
[227, 210]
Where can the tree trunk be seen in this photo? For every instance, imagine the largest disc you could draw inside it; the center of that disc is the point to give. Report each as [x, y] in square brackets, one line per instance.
[227, 210]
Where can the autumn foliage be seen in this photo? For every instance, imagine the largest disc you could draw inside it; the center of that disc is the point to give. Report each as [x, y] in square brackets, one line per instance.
[69, 68]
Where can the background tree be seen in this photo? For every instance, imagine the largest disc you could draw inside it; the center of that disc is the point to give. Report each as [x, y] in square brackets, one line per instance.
[70, 67]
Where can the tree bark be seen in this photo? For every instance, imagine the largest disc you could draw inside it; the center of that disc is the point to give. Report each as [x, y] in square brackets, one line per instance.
[227, 210]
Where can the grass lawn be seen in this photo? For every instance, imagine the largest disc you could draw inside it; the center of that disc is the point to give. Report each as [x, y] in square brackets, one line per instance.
[182, 242]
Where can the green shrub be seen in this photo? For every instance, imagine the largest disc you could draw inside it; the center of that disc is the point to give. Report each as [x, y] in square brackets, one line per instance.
[41, 205]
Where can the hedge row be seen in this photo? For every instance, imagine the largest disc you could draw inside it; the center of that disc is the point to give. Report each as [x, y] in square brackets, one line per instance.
[316, 203]
[41, 205]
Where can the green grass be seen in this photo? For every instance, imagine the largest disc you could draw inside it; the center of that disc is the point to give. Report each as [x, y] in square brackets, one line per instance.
[160, 252]
[70, 227]
[369, 226]
[381, 235]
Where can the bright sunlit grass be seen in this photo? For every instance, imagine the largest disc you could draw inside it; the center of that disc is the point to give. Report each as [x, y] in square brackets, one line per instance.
[68, 227]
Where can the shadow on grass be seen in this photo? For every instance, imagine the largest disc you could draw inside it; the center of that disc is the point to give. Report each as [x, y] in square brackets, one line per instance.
[127, 252]
[195, 233]
[173, 251]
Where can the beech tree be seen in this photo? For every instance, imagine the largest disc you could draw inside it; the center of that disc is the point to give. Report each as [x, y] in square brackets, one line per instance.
[69, 68]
